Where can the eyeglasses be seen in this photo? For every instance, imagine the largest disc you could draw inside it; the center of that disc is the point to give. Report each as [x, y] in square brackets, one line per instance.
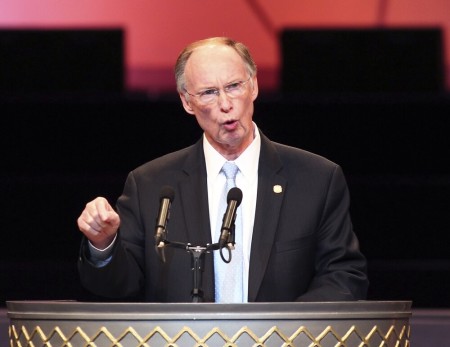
[209, 96]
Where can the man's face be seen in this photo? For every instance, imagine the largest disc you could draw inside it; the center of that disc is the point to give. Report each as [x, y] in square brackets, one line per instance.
[227, 121]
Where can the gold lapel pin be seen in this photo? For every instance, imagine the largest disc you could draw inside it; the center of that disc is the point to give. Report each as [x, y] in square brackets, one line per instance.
[277, 189]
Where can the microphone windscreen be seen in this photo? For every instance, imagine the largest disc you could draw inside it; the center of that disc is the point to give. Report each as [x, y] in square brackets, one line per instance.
[234, 194]
[167, 192]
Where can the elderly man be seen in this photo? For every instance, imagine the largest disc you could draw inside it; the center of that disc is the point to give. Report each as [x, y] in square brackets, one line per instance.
[294, 236]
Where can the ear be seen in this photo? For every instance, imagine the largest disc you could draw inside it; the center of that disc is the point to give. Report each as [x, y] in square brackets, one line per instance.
[186, 103]
[255, 88]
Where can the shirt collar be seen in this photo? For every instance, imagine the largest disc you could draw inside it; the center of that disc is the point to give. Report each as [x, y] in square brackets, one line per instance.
[247, 161]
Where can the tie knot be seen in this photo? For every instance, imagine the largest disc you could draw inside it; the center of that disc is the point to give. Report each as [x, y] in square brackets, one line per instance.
[230, 170]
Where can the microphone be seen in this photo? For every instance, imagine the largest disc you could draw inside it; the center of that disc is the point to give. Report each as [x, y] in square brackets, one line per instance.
[234, 199]
[166, 197]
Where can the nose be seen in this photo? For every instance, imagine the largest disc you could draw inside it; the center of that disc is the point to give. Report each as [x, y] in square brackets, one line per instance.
[224, 101]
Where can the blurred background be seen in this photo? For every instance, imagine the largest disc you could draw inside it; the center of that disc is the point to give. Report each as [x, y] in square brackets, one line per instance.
[87, 94]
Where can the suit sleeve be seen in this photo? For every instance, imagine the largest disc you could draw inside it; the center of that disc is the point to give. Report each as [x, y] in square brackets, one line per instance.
[123, 276]
[340, 272]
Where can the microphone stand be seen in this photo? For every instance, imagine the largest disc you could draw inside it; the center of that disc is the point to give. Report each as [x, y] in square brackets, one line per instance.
[197, 259]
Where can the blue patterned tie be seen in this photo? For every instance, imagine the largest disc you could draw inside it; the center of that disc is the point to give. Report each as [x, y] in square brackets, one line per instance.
[228, 276]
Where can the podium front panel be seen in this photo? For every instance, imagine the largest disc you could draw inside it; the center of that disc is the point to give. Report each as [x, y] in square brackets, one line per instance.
[324, 324]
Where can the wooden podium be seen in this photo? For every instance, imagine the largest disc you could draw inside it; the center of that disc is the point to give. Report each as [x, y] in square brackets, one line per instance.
[318, 324]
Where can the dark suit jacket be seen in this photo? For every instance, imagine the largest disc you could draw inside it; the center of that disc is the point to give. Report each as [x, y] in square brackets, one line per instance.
[303, 245]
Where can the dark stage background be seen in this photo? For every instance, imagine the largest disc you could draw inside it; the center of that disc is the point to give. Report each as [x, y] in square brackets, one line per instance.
[61, 147]
[58, 152]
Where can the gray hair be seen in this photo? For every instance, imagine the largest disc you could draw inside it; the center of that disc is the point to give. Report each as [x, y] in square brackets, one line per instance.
[184, 56]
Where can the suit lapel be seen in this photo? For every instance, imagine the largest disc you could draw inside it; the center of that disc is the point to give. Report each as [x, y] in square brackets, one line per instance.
[194, 197]
[271, 187]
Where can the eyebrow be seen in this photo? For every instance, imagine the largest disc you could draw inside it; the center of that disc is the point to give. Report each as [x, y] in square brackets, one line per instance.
[226, 84]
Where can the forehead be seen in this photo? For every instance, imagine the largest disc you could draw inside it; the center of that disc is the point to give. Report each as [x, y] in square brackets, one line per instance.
[214, 62]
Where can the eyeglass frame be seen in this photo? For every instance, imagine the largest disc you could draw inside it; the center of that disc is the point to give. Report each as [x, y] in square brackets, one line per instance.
[216, 91]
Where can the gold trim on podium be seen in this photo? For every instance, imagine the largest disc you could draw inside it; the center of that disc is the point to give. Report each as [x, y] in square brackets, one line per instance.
[21, 337]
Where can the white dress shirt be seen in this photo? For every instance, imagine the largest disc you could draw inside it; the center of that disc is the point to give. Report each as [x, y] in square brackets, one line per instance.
[246, 180]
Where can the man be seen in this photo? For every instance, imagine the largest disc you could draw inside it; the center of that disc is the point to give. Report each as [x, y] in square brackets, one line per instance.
[297, 238]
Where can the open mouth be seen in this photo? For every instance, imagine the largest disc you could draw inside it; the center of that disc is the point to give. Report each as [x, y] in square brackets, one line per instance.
[230, 124]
